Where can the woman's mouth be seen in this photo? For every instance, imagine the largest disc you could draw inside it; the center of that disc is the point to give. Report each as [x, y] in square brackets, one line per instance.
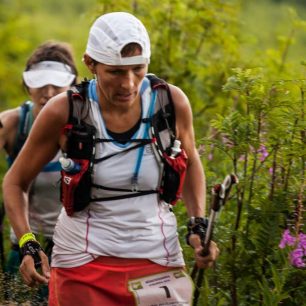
[125, 97]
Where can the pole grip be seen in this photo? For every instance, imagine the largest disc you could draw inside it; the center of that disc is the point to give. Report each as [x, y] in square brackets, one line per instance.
[220, 194]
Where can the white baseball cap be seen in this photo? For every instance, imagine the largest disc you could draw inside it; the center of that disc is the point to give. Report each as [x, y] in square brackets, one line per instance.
[111, 32]
[48, 73]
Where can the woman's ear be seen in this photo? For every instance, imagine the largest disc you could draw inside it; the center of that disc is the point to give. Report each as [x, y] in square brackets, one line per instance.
[89, 63]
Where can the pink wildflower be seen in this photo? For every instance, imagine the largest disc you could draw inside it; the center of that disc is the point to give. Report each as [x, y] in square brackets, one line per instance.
[227, 142]
[263, 152]
[296, 258]
[298, 254]
[287, 239]
[271, 170]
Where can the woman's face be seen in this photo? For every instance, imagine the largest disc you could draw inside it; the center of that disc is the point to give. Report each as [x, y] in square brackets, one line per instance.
[40, 96]
[118, 86]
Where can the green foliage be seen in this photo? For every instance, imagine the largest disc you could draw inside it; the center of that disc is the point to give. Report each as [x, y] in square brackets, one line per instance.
[25, 25]
[269, 118]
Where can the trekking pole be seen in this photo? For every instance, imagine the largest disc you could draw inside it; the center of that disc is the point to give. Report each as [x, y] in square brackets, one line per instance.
[220, 194]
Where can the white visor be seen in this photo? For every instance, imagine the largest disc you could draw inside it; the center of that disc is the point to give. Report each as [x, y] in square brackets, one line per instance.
[48, 73]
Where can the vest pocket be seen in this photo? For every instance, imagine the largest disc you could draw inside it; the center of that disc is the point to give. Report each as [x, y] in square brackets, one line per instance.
[76, 188]
[173, 179]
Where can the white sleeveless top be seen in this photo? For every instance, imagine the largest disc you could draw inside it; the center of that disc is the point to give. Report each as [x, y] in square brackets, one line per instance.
[138, 227]
[44, 199]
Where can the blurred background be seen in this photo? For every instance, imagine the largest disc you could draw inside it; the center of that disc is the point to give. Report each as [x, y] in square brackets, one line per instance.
[242, 65]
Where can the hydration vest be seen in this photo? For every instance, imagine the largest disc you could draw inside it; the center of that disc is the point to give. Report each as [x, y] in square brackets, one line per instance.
[25, 123]
[81, 141]
[24, 127]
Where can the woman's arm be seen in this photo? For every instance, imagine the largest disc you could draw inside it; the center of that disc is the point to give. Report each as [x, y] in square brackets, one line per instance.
[194, 191]
[194, 187]
[40, 147]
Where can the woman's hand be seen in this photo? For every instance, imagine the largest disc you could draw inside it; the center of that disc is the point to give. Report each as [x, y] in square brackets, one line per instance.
[30, 275]
[206, 261]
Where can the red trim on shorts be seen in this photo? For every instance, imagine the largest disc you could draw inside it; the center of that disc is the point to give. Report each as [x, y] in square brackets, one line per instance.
[101, 282]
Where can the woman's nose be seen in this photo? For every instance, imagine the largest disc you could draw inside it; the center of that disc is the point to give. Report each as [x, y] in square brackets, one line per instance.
[128, 80]
[50, 91]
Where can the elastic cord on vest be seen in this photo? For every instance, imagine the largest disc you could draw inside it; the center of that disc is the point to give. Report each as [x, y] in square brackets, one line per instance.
[141, 149]
[25, 238]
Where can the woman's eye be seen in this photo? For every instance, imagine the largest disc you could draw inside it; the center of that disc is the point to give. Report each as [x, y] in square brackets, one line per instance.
[116, 72]
[138, 69]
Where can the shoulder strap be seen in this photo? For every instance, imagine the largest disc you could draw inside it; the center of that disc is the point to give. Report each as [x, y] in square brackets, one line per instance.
[163, 120]
[80, 131]
[23, 128]
[78, 104]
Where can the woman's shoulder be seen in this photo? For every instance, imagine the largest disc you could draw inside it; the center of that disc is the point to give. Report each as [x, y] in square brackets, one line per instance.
[180, 99]
[9, 119]
[9, 123]
[57, 108]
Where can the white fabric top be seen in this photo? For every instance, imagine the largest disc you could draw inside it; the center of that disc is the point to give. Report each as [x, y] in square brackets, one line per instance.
[44, 198]
[45, 204]
[139, 227]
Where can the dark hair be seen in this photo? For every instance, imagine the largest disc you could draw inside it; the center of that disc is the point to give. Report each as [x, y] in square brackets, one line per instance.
[53, 51]
[130, 49]
[126, 51]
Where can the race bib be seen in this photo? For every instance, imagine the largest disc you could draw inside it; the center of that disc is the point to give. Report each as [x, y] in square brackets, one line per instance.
[173, 288]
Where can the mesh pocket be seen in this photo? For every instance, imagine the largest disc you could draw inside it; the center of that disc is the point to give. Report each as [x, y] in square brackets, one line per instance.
[75, 188]
[81, 141]
[173, 178]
